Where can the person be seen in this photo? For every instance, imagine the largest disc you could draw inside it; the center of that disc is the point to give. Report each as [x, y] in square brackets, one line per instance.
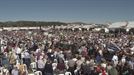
[18, 51]
[115, 60]
[48, 69]
[41, 64]
[15, 71]
[71, 65]
[25, 71]
[20, 67]
[113, 71]
[4, 71]
[61, 67]
[54, 64]
[86, 70]
[26, 59]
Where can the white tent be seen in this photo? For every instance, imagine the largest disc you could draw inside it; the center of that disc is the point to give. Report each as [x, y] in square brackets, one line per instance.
[130, 25]
[117, 25]
[87, 26]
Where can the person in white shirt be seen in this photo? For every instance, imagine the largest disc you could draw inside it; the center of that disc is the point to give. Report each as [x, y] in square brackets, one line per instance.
[115, 59]
[123, 60]
[41, 64]
[4, 71]
[79, 63]
[26, 59]
[18, 51]
[101, 52]
[15, 71]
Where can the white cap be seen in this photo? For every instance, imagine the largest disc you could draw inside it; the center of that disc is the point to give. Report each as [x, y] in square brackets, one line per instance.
[74, 59]
[50, 50]
[132, 53]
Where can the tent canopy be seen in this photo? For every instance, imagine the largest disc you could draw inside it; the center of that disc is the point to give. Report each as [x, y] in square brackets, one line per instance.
[117, 24]
[130, 24]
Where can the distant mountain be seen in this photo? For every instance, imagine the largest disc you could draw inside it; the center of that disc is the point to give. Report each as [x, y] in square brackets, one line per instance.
[78, 23]
[29, 23]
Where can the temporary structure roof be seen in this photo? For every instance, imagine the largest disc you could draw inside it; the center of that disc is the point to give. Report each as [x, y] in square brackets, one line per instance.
[130, 24]
[117, 24]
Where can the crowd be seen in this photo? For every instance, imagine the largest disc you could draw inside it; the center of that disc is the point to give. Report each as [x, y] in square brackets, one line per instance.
[66, 53]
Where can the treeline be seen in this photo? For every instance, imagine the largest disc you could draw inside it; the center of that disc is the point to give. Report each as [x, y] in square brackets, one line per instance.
[29, 24]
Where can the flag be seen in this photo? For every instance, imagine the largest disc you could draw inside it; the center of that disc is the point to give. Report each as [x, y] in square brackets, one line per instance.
[113, 47]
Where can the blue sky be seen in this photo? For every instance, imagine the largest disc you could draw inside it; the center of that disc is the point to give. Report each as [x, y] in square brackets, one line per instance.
[90, 11]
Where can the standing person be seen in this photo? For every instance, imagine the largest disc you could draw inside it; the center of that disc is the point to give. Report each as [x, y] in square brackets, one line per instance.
[18, 52]
[115, 60]
[61, 67]
[26, 59]
[15, 71]
[48, 69]
[86, 68]
[25, 71]
[113, 71]
[4, 71]
[123, 60]
[98, 58]
[71, 65]
[41, 64]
